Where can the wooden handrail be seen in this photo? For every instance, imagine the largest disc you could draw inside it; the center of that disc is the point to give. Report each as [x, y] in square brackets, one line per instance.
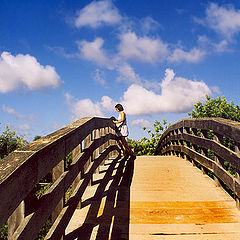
[205, 141]
[24, 169]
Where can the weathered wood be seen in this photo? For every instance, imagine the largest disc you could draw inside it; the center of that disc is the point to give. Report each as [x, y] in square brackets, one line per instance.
[15, 220]
[194, 144]
[23, 169]
[57, 173]
[58, 229]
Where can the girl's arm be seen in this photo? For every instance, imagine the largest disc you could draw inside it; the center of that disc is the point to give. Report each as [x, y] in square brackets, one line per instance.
[122, 118]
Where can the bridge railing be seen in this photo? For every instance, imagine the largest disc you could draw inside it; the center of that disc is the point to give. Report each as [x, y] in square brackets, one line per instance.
[212, 142]
[65, 161]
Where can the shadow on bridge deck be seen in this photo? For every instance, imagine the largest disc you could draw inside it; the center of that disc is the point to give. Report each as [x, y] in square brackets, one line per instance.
[155, 198]
[105, 208]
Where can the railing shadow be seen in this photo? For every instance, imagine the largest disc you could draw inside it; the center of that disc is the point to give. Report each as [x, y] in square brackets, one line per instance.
[109, 208]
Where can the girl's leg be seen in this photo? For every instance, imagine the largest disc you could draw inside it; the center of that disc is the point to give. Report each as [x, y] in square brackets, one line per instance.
[126, 147]
[122, 144]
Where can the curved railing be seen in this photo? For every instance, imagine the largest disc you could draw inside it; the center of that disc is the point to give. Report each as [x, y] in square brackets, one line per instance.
[214, 143]
[88, 142]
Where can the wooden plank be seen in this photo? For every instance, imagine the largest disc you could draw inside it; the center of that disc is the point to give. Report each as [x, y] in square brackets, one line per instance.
[179, 202]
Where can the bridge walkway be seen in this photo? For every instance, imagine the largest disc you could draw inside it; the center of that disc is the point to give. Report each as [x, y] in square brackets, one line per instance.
[154, 197]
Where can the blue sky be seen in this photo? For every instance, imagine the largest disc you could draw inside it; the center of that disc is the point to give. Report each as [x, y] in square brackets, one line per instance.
[63, 59]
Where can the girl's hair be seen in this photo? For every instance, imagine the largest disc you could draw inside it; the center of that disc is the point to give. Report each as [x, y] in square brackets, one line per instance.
[119, 107]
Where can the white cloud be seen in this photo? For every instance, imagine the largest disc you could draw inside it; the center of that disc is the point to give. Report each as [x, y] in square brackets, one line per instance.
[210, 46]
[177, 95]
[194, 55]
[148, 24]
[98, 13]
[144, 49]
[127, 74]
[222, 46]
[25, 71]
[108, 104]
[93, 51]
[223, 20]
[87, 108]
[141, 122]
[12, 112]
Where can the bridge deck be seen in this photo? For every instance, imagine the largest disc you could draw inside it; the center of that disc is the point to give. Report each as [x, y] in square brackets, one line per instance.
[167, 198]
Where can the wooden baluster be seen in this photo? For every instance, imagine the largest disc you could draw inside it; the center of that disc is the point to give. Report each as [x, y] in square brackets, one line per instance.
[87, 142]
[106, 145]
[15, 220]
[187, 130]
[217, 162]
[237, 199]
[56, 173]
[194, 131]
[76, 153]
[237, 148]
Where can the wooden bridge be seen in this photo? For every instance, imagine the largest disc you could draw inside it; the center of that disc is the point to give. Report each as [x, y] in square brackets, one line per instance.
[189, 190]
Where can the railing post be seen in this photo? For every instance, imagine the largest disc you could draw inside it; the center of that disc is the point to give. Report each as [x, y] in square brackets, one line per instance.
[217, 182]
[111, 142]
[15, 220]
[237, 149]
[56, 173]
[106, 136]
[76, 153]
[87, 142]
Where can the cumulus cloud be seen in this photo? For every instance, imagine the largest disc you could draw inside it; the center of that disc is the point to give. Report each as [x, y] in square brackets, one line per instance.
[143, 49]
[108, 104]
[178, 95]
[25, 71]
[98, 13]
[148, 24]
[224, 20]
[210, 46]
[94, 52]
[194, 55]
[87, 108]
[141, 123]
[127, 74]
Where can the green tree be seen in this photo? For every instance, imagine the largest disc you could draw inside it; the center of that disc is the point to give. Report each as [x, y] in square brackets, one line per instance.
[146, 146]
[37, 137]
[218, 108]
[10, 141]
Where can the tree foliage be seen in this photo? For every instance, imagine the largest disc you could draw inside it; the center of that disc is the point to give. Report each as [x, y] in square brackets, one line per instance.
[146, 146]
[10, 141]
[218, 107]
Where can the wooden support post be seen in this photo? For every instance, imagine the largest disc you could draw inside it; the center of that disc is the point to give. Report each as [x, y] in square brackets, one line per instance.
[106, 145]
[87, 142]
[15, 220]
[237, 148]
[56, 173]
[75, 157]
[203, 170]
[217, 182]
[237, 199]
[194, 130]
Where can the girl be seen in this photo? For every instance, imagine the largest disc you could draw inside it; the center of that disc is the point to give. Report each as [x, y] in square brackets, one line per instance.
[121, 123]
